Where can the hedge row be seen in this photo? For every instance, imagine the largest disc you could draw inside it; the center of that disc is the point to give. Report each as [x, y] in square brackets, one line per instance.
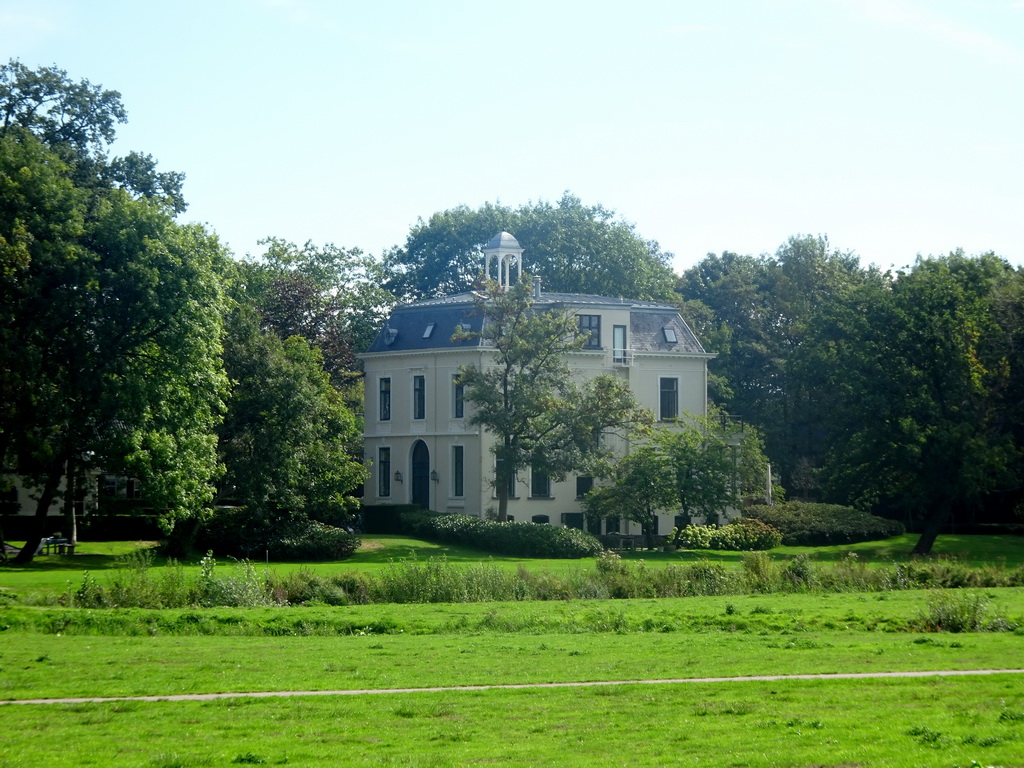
[744, 535]
[516, 539]
[815, 525]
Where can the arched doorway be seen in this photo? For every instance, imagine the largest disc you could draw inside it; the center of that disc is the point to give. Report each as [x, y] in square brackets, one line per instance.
[421, 474]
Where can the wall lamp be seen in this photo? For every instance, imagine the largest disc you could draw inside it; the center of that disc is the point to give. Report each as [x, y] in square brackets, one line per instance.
[434, 476]
[398, 476]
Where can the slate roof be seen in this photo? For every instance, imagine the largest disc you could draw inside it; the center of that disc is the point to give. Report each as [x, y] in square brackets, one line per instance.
[405, 329]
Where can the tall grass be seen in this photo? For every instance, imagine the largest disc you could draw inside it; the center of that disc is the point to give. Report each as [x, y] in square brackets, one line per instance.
[135, 584]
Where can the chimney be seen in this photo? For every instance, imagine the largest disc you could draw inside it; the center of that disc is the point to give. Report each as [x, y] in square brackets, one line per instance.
[536, 286]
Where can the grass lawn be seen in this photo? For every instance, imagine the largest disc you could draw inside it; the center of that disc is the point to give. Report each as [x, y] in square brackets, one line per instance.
[967, 721]
[489, 643]
[897, 722]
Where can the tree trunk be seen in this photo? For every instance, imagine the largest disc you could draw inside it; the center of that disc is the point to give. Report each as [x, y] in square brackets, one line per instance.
[28, 552]
[501, 480]
[503, 502]
[932, 528]
[70, 491]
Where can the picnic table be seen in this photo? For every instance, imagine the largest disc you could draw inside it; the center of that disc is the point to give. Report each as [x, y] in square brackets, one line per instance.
[620, 541]
[55, 545]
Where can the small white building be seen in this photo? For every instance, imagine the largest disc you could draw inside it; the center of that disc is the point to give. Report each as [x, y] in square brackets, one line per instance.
[418, 440]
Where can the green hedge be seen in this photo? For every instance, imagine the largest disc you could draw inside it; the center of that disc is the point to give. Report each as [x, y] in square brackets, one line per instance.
[516, 539]
[816, 525]
[744, 535]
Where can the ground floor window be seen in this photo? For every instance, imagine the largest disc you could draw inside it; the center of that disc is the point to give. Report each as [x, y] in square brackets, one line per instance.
[383, 471]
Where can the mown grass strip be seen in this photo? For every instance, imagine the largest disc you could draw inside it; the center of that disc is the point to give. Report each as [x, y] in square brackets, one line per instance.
[936, 722]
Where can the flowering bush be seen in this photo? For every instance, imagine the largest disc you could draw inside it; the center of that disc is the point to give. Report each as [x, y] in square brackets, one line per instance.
[741, 536]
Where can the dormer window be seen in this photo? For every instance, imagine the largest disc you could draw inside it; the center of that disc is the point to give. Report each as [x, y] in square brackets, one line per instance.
[429, 330]
[670, 335]
[390, 334]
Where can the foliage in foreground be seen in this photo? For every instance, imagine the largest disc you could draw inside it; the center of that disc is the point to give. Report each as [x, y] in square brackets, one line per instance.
[516, 539]
[819, 525]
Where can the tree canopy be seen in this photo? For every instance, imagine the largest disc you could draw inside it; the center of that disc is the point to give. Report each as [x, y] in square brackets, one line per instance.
[111, 326]
[77, 121]
[329, 296]
[573, 247]
[924, 373]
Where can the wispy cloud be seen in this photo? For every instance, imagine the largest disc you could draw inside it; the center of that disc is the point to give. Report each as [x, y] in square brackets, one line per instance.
[915, 16]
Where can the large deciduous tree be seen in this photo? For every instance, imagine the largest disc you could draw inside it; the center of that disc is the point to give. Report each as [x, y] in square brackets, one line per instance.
[574, 248]
[526, 398]
[288, 439]
[111, 312]
[924, 373]
[755, 312]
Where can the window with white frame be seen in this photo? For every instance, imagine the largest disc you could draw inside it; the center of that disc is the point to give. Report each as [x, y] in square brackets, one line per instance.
[383, 472]
[540, 484]
[669, 399]
[384, 399]
[619, 343]
[458, 398]
[458, 471]
[590, 328]
[419, 397]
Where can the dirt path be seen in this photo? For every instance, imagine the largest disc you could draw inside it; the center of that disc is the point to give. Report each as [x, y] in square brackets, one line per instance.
[441, 689]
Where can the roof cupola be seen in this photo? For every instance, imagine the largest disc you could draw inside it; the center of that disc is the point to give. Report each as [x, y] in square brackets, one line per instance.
[508, 258]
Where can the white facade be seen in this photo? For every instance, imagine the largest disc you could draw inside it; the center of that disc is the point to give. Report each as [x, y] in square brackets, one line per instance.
[418, 441]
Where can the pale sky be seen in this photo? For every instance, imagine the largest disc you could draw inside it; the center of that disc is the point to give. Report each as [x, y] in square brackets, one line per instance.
[894, 127]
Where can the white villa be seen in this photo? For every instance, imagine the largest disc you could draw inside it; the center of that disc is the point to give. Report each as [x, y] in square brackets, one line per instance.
[418, 441]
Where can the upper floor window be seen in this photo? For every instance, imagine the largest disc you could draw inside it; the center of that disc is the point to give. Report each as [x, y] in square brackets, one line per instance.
[540, 484]
[584, 485]
[385, 399]
[419, 397]
[458, 398]
[590, 328]
[669, 399]
[619, 343]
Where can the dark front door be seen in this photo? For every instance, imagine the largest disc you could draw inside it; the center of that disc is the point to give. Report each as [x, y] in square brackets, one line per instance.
[421, 474]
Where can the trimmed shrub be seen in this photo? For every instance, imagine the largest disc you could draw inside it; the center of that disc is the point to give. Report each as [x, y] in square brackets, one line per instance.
[816, 525]
[517, 539]
[741, 536]
[315, 541]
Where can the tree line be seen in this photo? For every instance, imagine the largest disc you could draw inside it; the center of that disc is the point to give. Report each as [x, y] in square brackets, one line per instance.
[137, 345]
